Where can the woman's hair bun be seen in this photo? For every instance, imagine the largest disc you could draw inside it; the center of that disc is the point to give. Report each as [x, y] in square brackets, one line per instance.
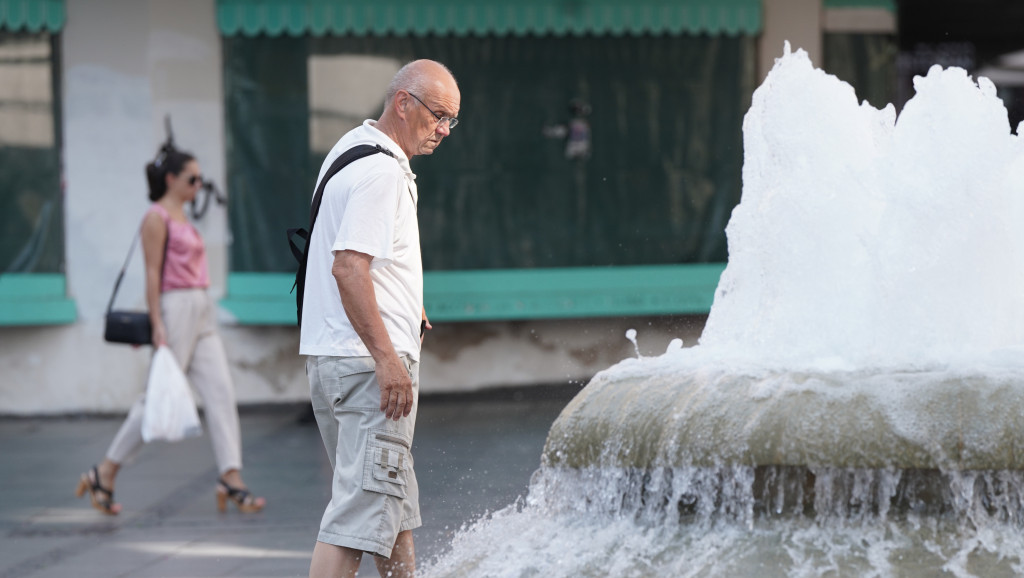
[168, 161]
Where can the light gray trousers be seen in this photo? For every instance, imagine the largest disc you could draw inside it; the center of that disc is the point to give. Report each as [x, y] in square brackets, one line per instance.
[189, 317]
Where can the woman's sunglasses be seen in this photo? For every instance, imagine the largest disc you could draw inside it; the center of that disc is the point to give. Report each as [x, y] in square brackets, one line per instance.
[195, 180]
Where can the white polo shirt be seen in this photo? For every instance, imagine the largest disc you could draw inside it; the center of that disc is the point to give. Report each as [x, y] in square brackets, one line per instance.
[370, 207]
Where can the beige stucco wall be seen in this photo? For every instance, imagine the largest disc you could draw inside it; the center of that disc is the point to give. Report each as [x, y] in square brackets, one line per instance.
[126, 64]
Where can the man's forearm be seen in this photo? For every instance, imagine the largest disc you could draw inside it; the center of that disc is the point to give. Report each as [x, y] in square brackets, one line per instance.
[360, 303]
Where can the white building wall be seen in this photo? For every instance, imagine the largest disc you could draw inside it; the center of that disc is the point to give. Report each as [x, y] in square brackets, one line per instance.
[126, 64]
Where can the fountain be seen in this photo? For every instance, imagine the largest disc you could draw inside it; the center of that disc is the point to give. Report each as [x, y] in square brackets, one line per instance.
[856, 403]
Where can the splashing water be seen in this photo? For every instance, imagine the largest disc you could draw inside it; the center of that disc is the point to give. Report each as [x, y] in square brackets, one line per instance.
[863, 240]
[674, 345]
[631, 335]
[598, 523]
[867, 248]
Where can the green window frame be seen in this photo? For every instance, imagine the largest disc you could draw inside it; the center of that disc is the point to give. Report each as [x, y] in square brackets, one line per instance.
[33, 288]
[35, 299]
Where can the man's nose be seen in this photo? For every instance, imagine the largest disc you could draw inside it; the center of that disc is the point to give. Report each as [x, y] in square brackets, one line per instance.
[443, 129]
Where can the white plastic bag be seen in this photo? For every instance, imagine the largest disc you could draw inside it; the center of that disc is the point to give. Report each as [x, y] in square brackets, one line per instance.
[170, 412]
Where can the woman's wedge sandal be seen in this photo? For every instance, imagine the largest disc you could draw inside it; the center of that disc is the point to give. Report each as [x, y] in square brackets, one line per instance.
[102, 499]
[240, 496]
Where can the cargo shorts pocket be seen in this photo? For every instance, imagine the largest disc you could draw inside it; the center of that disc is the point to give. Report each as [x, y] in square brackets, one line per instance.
[387, 463]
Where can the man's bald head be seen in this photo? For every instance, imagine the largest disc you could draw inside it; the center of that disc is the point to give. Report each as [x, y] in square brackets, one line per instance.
[421, 105]
[420, 77]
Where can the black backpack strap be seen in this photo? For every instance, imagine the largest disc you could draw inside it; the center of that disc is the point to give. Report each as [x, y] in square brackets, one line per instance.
[296, 252]
[351, 155]
[346, 158]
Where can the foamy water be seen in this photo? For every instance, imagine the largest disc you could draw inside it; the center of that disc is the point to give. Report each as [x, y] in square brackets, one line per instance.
[593, 523]
[864, 245]
[865, 240]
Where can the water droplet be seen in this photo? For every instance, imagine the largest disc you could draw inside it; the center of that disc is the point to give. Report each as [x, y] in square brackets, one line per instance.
[631, 335]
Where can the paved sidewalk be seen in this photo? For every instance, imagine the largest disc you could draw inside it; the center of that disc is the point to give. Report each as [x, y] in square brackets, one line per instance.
[472, 456]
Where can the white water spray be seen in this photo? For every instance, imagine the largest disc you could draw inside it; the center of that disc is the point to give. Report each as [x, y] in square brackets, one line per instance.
[874, 262]
[865, 241]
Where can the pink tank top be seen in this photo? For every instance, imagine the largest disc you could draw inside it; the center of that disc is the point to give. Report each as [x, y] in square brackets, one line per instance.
[185, 264]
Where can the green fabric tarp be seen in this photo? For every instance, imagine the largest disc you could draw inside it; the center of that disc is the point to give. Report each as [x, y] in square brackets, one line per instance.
[866, 61]
[658, 188]
[31, 201]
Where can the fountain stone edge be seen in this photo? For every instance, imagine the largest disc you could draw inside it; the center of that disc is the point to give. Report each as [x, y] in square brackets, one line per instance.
[711, 417]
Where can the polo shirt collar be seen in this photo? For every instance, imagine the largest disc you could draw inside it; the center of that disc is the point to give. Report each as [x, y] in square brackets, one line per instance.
[385, 141]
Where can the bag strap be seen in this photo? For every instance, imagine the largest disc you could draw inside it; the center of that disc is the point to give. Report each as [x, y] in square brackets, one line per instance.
[302, 256]
[343, 160]
[120, 275]
[346, 158]
[351, 155]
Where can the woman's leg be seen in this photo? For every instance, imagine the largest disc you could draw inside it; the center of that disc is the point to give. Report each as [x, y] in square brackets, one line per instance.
[127, 441]
[129, 438]
[182, 318]
[211, 377]
[181, 334]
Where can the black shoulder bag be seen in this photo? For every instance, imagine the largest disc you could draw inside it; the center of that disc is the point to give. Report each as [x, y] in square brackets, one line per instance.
[131, 327]
[302, 256]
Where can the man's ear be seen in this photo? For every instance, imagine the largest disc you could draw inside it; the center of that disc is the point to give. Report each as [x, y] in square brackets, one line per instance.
[400, 104]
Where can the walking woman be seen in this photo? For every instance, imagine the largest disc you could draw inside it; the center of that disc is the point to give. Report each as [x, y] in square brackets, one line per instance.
[183, 318]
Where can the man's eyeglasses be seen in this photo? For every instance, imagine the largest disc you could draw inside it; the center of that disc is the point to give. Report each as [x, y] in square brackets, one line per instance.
[441, 119]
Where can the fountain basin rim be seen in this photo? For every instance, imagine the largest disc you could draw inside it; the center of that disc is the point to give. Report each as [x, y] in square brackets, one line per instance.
[710, 416]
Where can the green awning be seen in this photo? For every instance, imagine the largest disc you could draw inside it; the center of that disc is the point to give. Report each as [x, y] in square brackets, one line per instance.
[889, 5]
[482, 17]
[32, 15]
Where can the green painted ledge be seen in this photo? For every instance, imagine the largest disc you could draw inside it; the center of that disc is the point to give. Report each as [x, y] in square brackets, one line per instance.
[889, 5]
[35, 299]
[491, 295]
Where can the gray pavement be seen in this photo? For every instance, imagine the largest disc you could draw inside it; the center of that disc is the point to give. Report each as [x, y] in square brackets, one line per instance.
[473, 455]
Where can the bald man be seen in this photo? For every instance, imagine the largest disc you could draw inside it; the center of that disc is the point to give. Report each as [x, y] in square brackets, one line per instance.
[363, 322]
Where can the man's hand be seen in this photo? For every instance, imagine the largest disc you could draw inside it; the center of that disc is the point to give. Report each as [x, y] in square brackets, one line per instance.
[426, 326]
[395, 389]
[351, 270]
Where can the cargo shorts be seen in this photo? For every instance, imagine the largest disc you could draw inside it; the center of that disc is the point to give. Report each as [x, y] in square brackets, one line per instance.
[374, 494]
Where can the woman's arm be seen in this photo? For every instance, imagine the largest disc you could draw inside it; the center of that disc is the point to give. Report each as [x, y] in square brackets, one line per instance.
[154, 238]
